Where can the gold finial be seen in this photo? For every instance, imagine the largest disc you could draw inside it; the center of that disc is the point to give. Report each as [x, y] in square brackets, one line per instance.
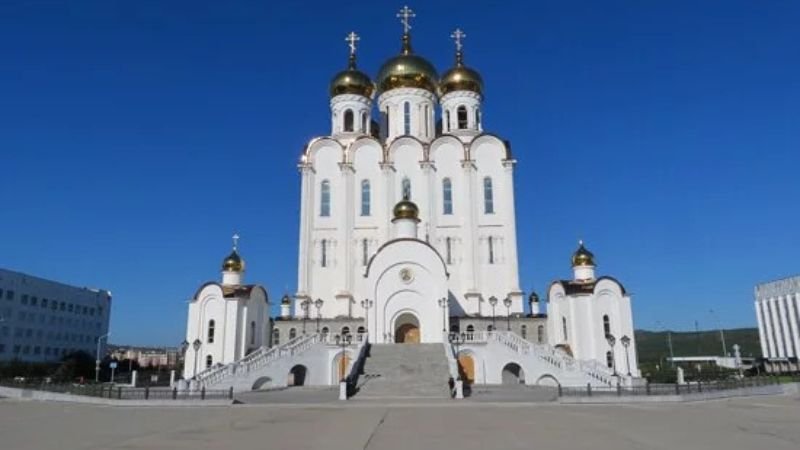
[351, 39]
[457, 36]
[405, 15]
[235, 242]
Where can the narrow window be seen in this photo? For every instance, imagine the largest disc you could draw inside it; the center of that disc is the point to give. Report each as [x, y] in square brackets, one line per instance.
[447, 120]
[361, 330]
[564, 328]
[324, 259]
[449, 250]
[211, 326]
[490, 328]
[292, 333]
[606, 326]
[253, 333]
[348, 120]
[365, 194]
[478, 118]
[325, 199]
[325, 331]
[276, 337]
[364, 252]
[407, 118]
[609, 360]
[491, 250]
[524, 331]
[406, 188]
[488, 196]
[462, 117]
[209, 361]
[540, 334]
[363, 122]
[345, 331]
[447, 196]
[426, 119]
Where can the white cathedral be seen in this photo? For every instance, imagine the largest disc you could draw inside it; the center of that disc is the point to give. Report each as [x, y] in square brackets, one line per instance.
[408, 278]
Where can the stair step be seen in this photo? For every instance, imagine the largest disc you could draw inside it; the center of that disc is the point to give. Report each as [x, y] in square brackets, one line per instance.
[405, 371]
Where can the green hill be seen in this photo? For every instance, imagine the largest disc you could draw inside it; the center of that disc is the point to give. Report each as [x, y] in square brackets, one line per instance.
[652, 345]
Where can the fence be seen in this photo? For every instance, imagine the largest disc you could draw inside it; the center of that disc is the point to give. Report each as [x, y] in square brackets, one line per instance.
[120, 392]
[669, 389]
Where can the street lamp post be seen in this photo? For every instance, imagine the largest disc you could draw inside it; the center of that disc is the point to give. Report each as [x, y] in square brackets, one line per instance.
[493, 302]
[196, 346]
[366, 304]
[611, 341]
[344, 340]
[626, 342]
[507, 303]
[305, 304]
[184, 348]
[318, 304]
[443, 305]
[97, 358]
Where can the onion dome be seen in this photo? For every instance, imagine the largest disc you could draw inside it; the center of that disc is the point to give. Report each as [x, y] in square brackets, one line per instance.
[460, 77]
[286, 300]
[352, 80]
[406, 209]
[582, 256]
[407, 70]
[233, 263]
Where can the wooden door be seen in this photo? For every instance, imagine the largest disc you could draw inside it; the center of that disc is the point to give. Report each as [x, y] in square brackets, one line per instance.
[466, 368]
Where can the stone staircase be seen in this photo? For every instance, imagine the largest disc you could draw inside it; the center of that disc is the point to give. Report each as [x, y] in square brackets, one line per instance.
[405, 370]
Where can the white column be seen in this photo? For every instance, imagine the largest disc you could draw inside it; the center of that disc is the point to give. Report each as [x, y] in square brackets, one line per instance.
[346, 228]
[771, 347]
[779, 343]
[791, 311]
[389, 200]
[762, 334]
[470, 228]
[432, 195]
[306, 217]
[512, 271]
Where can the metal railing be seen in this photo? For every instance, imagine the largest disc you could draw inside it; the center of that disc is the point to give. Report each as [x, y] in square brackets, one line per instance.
[649, 389]
[120, 392]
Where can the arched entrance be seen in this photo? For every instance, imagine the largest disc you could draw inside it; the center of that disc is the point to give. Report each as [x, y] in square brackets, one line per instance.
[297, 376]
[339, 368]
[406, 329]
[513, 374]
[466, 368]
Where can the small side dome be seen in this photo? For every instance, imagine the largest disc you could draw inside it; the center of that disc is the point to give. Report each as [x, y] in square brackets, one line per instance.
[233, 263]
[406, 209]
[582, 256]
[286, 300]
[352, 80]
[460, 77]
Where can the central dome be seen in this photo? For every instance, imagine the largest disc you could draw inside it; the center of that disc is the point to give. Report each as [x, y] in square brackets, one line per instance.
[407, 70]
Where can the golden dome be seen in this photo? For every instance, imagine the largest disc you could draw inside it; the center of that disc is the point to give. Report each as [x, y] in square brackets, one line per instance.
[352, 81]
[406, 209]
[233, 263]
[407, 70]
[461, 78]
[582, 256]
[286, 300]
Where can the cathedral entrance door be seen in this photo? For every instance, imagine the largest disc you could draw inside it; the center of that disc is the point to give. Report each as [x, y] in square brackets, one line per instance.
[407, 334]
[466, 368]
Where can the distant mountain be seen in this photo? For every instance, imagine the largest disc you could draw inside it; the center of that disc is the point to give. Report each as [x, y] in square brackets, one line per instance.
[652, 345]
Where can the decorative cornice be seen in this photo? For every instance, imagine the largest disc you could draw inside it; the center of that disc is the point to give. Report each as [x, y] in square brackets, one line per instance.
[778, 288]
[459, 95]
[406, 91]
[350, 98]
[468, 164]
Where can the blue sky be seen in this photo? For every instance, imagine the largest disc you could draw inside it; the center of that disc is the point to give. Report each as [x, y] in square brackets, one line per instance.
[135, 137]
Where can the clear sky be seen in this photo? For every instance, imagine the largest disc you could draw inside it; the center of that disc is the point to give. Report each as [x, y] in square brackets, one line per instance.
[136, 137]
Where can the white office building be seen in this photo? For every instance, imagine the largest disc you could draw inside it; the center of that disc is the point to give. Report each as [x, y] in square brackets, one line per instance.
[43, 320]
[778, 312]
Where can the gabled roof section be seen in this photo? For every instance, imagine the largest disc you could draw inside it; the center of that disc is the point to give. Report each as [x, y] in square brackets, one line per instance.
[234, 291]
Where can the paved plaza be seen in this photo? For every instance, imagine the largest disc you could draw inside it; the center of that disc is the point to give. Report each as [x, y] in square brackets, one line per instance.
[742, 423]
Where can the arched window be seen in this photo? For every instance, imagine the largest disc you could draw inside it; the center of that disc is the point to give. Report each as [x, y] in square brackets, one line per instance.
[292, 333]
[447, 120]
[462, 117]
[477, 118]
[348, 120]
[470, 329]
[276, 336]
[427, 119]
[363, 122]
[448, 243]
[406, 188]
[609, 360]
[345, 331]
[564, 328]
[489, 327]
[364, 252]
[253, 333]
[325, 331]
[407, 118]
[365, 194]
[385, 117]
[491, 249]
[454, 328]
[211, 326]
[325, 199]
[447, 197]
[606, 325]
[540, 334]
[361, 330]
[209, 361]
[488, 196]
[324, 249]
[523, 329]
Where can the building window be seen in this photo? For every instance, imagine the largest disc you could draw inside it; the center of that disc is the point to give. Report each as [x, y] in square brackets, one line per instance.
[345, 331]
[365, 194]
[489, 327]
[470, 329]
[524, 331]
[609, 360]
[252, 333]
[325, 199]
[448, 244]
[478, 118]
[363, 122]
[211, 326]
[9, 295]
[447, 120]
[348, 120]
[292, 333]
[427, 113]
[364, 252]
[606, 326]
[361, 330]
[488, 196]
[540, 334]
[564, 328]
[209, 361]
[325, 331]
[385, 115]
[447, 197]
[490, 243]
[407, 118]
[462, 117]
[405, 188]
[276, 337]
[324, 259]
